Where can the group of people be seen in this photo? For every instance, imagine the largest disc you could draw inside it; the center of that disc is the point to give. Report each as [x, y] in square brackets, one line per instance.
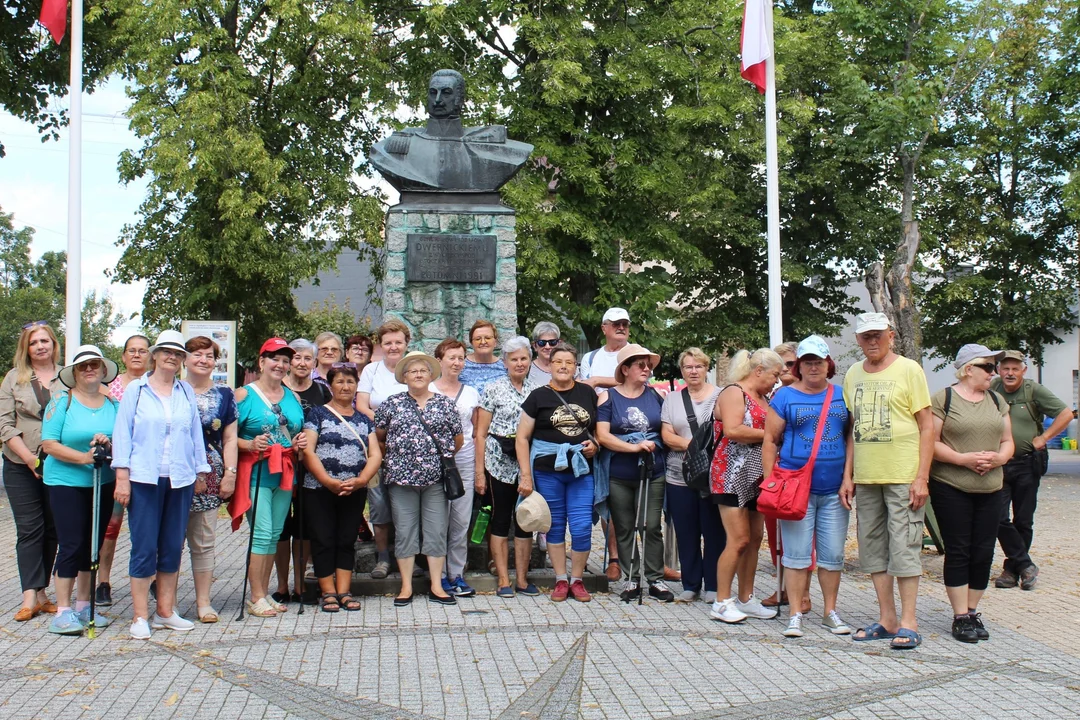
[325, 433]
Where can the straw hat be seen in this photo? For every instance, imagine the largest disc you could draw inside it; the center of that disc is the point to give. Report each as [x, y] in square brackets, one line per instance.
[630, 351]
[533, 514]
[405, 362]
[85, 353]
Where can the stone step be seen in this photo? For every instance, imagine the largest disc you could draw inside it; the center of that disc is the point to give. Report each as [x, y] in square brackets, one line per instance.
[364, 584]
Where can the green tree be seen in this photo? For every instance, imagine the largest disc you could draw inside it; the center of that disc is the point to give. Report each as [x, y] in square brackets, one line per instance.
[99, 320]
[326, 316]
[252, 115]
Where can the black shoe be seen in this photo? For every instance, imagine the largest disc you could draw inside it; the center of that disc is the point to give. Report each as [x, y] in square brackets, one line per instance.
[403, 601]
[281, 597]
[977, 623]
[1029, 576]
[153, 590]
[630, 592]
[1007, 579]
[963, 629]
[442, 599]
[103, 595]
[660, 591]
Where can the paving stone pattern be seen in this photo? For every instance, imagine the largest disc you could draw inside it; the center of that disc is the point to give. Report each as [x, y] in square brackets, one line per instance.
[531, 658]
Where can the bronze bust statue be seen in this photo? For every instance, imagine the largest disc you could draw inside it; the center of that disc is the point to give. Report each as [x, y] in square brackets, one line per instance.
[444, 156]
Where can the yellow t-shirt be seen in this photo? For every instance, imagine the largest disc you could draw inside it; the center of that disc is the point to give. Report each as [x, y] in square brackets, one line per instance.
[883, 407]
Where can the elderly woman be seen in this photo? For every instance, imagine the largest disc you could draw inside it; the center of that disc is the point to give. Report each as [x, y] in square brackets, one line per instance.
[24, 394]
[358, 350]
[328, 350]
[217, 417]
[497, 466]
[628, 429]
[311, 394]
[481, 367]
[158, 450]
[76, 424]
[735, 475]
[418, 427]
[270, 433]
[555, 446]
[972, 441]
[378, 381]
[136, 356]
[790, 428]
[451, 356]
[342, 456]
[545, 337]
[695, 518]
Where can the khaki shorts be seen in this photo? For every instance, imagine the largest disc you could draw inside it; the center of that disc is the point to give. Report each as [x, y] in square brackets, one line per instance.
[890, 533]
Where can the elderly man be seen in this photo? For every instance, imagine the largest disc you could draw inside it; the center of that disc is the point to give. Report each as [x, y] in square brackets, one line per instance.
[598, 366]
[892, 438]
[1029, 402]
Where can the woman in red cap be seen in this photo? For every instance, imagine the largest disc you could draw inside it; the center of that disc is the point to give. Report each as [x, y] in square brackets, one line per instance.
[270, 433]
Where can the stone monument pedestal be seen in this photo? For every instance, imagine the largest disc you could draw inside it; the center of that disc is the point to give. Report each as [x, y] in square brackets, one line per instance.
[447, 267]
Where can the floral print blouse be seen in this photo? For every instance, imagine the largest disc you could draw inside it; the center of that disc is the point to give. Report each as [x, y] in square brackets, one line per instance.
[337, 448]
[503, 401]
[217, 409]
[411, 456]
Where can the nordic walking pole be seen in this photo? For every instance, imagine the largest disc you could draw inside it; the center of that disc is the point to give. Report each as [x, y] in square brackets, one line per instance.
[300, 532]
[646, 471]
[95, 530]
[251, 534]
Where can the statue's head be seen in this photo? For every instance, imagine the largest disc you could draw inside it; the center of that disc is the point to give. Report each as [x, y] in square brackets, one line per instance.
[446, 94]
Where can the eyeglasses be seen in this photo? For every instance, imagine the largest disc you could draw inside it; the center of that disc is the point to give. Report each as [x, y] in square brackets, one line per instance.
[417, 372]
[359, 348]
[789, 364]
[329, 350]
[547, 343]
[988, 367]
[276, 409]
[136, 351]
[342, 365]
[693, 367]
[165, 352]
[619, 324]
[36, 323]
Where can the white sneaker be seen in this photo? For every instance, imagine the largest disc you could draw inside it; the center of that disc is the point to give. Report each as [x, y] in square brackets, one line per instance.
[753, 608]
[794, 626]
[726, 611]
[687, 596]
[173, 622]
[140, 630]
[709, 596]
[835, 624]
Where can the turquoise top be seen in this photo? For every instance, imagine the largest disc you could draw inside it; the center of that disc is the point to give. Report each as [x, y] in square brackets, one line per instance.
[255, 418]
[75, 426]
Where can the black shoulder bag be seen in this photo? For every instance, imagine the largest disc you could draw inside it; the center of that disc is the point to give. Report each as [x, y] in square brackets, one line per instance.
[453, 485]
[698, 458]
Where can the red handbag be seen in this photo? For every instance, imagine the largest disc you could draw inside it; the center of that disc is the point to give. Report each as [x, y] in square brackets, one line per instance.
[786, 493]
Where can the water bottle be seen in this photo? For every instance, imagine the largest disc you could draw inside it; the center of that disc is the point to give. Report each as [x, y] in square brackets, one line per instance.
[481, 525]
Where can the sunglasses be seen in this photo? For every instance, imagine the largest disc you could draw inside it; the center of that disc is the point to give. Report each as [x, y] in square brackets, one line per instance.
[547, 343]
[987, 367]
[276, 409]
[90, 365]
[36, 323]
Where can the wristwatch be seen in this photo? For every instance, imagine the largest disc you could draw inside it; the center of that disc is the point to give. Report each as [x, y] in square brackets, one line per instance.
[230, 469]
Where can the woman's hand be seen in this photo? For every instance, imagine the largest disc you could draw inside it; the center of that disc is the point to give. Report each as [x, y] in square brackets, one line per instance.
[122, 491]
[588, 448]
[525, 487]
[300, 441]
[847, 492]
[260, 443]
[228, 485]
[480, 484]
[646, 446]
[200, 484]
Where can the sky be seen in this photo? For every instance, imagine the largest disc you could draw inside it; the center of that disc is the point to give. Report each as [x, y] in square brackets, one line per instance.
[34, 186]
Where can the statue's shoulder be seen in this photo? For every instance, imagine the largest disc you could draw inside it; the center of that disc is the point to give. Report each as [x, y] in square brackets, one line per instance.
[398, 142]
[485, 134]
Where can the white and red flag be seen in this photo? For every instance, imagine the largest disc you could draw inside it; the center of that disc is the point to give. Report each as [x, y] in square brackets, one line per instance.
[756, 42]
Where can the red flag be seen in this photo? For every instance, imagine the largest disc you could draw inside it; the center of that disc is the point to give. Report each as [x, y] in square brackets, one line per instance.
[54, 18]
[756, 45]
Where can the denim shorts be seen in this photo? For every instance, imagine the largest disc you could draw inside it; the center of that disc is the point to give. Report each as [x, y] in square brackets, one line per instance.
[826, 524]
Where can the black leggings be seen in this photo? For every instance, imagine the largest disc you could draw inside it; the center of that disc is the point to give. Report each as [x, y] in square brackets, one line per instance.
[504, 497]
[74, 513]
[968, 524]
[331, 522]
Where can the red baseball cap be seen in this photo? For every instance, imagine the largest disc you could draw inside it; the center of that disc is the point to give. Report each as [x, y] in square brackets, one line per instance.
[275, 346]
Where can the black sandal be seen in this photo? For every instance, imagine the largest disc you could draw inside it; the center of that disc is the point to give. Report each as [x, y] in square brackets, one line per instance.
[329, 603]
[348, 603]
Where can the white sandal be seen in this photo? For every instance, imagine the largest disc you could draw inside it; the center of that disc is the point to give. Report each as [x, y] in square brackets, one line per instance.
[262, 609]
[278, 607]
[207, 614]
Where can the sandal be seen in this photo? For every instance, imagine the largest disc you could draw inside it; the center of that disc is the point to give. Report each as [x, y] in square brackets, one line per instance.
[329, 603]
[906, 639]
[873, 631]
[278, 607]
[262, 609]
[207, 615]
[348, 603]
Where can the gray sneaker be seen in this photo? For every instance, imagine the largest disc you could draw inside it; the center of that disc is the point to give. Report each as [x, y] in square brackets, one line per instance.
[835, 624]
[709, 596]
[794, 626]
[687, 596]
[1029, 576]
[381, 570]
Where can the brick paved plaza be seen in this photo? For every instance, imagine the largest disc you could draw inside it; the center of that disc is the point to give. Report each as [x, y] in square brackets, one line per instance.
[530, 658]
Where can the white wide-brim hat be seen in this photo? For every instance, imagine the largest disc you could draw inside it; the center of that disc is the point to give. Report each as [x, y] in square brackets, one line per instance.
[533, 514]
[169, 340]
[85, 353]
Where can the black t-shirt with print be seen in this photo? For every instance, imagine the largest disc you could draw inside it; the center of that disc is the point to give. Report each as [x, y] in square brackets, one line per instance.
[314, 396]
[556, 424]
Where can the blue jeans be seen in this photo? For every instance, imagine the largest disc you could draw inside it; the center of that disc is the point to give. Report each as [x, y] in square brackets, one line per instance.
[826, 522]
[570, 499]
[696, 518]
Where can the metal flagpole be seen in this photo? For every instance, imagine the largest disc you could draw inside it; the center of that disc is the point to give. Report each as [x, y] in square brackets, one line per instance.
[772, 189]
[73, 318]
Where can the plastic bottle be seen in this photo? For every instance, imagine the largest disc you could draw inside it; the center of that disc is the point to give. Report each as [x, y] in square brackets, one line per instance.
[481, 525]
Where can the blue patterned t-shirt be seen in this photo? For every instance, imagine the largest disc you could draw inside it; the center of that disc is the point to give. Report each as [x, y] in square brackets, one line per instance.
[337, 448]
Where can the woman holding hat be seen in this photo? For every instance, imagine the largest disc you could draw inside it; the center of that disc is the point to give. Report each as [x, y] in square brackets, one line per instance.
[496, 426]
[417, 428]
[24, 394]
[158, 451]
[790, 429]
[217, 416]
[628, 429]
[972, 441]
[76, 424]
[270, 422]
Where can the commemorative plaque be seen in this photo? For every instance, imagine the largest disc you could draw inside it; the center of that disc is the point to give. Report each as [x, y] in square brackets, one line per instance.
[450, 258]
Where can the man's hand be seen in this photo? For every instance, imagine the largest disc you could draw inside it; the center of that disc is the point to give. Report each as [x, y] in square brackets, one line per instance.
[1038, 442]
